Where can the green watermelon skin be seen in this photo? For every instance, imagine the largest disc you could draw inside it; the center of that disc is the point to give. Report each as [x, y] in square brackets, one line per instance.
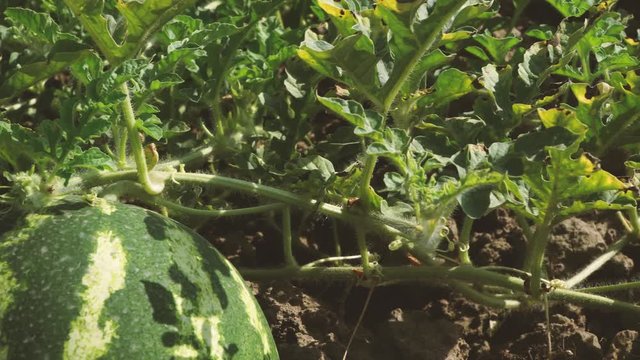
[115, 281]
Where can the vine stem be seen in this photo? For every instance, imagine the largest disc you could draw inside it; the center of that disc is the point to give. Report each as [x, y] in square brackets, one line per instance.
[120, 138]
[103, 178]
[438, 274]
[336, 259]
[611, 288]
[362, 247]
[289, 259]
[133, 189]
[534, 260]
[150, 186]
[465, 236]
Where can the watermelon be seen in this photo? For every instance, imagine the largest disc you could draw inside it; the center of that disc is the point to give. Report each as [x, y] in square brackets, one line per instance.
[108, 280]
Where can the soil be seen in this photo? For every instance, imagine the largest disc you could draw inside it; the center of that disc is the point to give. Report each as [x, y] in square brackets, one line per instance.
[312, 321]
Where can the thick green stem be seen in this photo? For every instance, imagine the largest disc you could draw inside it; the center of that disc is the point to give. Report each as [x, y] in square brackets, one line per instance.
[336, 237]
[634, 285]
[133, 189]
[534, 260]
[150, 186]
[595, 301]
[465, 237]
[365, 180]
[289, 259]
[439, 274]
[481, 298]
[362, 247]
[520, 7]
[524, 225]
[635, 223]
[535, 257]
[120, 138]
[216, 213]
[102, 178]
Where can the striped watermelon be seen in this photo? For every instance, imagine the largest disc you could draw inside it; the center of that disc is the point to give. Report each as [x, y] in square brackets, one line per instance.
[115, 281]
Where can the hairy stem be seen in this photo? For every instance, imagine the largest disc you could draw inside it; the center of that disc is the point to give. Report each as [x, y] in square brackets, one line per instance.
[465, 236]
[133, 189]
[611, 288]
[103, 178]
[534, 260]
[481, 298]
[120, 138]
[150, 187]
[362, 247]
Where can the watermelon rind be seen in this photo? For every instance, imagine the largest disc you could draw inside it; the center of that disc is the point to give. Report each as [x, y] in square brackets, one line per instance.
[106, 280]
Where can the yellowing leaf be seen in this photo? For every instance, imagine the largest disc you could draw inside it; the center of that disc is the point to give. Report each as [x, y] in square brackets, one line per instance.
[520, 109]
[580, 92]
[562, 117]
[332, 10]
[399, 6]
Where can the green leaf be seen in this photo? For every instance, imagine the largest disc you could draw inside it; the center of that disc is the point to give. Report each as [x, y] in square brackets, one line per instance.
[64, 54]
[143, 19]
[426, 28]
[165, 81]
[532, 145]
[342, 18]
[475, 202]
[541, 32]
[93, 158]
[39, 25]
[149, 124]
[572, 7]
[498, 48]
[394, 143]
[19, 146]
[94, 127]
[450, 85]
[88, 68]
[294, 87]
[367, 122]
[431, 61]
[620, 201]
[351, 61]
[317, 163]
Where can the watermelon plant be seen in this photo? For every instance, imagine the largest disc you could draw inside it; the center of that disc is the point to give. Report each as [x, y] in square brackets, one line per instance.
[386, 119]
